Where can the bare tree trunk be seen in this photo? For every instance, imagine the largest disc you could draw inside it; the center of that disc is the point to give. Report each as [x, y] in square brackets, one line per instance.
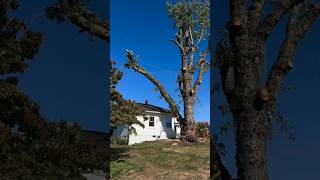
[189, 129]
[252, 96]
[251, 141]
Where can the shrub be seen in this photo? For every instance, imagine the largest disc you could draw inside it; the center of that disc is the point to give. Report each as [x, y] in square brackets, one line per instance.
[203, 129]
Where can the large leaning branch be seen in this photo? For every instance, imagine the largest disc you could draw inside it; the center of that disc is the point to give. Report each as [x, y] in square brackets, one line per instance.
[132, 63]
[78, 15]
[283, 64]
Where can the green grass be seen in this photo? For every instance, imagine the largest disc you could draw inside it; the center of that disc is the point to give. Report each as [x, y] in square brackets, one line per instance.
[160, 160]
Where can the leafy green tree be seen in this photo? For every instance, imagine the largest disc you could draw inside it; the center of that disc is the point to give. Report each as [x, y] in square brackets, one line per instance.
[30, 146]
[77, 13]
[122, 112]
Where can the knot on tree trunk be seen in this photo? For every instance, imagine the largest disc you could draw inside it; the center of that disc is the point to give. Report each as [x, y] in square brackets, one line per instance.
[290, 65]
[262, 98]
[191, 92]
[237, 22]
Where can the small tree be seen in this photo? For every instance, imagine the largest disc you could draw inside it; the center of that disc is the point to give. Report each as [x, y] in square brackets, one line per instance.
[191, 19]
[122, 112]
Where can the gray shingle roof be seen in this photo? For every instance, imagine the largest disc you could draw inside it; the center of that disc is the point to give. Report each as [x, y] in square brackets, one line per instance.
[146, 106]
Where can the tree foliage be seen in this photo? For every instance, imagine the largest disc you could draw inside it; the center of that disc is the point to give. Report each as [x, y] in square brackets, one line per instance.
[31, 147]
[122, 112]
[191, 15]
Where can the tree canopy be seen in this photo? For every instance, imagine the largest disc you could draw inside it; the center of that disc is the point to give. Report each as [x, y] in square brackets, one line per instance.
[31, 147]
[122, 112]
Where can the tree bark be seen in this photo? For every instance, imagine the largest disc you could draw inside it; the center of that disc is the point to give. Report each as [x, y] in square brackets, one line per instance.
[217, 170]
[251, 141]
[189, 126]
[252, 97]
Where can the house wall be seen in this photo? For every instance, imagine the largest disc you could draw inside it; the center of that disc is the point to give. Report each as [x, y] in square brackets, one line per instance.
[158, 131]
[120, 132]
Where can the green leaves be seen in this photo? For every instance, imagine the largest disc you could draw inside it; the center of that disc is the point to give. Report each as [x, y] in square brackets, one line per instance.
[123, 112]
[30, 146]
[17, 43]
[191, 16]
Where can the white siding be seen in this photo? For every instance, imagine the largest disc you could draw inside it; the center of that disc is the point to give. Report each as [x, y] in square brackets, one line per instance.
[158, 131]
[120, 132]
[151, 133]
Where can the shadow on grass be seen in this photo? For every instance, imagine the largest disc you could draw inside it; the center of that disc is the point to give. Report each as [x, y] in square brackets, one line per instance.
[119, 153]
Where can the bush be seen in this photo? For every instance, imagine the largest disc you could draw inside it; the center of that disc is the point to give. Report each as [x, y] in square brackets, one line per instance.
[203, 128]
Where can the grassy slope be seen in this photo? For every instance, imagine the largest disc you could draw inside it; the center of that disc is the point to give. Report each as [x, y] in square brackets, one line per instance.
[160, 160]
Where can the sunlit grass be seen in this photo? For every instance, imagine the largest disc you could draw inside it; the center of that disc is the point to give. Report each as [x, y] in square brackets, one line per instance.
[159, 160]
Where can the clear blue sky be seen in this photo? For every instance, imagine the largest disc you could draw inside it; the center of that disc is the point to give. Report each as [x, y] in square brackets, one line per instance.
[144, 27]
[68, 76]
[288, 160]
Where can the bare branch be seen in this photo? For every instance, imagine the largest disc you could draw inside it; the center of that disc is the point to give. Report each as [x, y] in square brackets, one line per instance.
[271, 21]
[192, 42]
[201, 60]
[132, 63]
[200, 38]
[237, 12]
[178, 44]
[204, 67]
[255, 14]
[284, 63]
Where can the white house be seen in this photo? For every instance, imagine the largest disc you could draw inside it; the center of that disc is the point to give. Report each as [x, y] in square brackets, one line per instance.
[158, 124]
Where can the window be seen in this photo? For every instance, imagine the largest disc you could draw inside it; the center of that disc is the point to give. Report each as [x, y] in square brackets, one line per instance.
[151, 121]
[168, 123]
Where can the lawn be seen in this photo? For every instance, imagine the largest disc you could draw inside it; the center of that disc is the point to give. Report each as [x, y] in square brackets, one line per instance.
[160, 160]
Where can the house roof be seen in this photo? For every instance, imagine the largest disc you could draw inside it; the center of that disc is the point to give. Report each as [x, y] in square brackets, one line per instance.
[145, 107]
